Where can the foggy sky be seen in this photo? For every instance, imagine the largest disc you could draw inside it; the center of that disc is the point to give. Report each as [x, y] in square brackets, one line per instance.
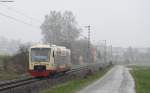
[120, 22]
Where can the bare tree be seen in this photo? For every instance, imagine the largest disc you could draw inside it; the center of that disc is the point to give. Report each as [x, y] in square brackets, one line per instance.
[60, 28]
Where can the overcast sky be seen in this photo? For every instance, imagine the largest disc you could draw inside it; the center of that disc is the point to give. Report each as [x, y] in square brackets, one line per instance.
[120, 22]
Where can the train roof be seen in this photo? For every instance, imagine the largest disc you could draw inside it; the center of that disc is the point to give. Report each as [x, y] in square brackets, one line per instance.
[47, 46]
[40, 46]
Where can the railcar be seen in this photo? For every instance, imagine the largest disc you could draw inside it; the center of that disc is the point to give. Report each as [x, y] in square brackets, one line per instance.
[45, 60]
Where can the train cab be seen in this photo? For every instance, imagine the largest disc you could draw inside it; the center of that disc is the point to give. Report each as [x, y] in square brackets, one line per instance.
[45, 60]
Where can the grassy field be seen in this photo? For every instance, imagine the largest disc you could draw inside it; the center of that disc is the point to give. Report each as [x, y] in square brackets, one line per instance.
[8, 76]
[142, 78]
[76, 84]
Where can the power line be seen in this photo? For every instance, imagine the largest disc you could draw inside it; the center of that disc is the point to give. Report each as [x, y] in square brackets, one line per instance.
[83, 36]
[6, 1]
[20, 13]
[18, 20]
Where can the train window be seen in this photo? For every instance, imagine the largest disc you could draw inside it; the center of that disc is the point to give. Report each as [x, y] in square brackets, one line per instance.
[63, 53]
[59, 51]
[40, 54]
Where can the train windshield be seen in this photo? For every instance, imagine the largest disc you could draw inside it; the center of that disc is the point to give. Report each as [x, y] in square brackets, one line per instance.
[40, 54]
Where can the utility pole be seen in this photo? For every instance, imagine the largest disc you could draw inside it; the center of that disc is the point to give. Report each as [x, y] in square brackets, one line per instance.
[89, 33]
[105, 51]
[111, 54]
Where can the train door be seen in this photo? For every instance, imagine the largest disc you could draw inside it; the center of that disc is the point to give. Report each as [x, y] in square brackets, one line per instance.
[52, 61]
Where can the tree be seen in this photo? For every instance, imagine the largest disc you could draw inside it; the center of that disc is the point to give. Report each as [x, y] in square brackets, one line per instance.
[21, 59]
[60, 28]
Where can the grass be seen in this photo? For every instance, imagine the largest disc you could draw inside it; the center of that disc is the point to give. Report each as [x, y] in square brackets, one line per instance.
[73, 86]
[8, 76]
[141, 76]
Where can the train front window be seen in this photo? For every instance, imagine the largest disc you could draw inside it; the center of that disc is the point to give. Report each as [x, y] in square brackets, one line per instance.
[40, 54]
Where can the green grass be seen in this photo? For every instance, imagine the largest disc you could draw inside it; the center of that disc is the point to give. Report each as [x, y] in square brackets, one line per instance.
[73, 86]
[142, 78]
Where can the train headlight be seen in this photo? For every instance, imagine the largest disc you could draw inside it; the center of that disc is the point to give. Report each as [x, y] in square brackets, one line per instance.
[47, 64]
[32, 64]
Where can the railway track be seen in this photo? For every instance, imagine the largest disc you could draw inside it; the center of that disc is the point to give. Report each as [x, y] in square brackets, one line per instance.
[29, 81]
[17, 83]
[21, 82]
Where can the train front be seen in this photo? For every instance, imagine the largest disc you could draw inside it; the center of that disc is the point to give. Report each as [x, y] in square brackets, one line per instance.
[40, 64]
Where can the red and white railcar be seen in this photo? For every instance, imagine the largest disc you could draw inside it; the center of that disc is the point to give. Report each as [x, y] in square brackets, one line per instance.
[45, 60]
